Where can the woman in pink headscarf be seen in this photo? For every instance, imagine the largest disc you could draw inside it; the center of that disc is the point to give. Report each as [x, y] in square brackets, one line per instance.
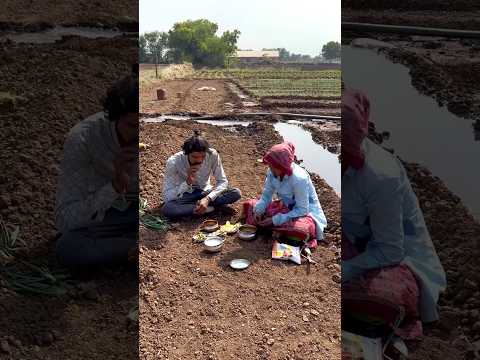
[390, 270]
[296, 212]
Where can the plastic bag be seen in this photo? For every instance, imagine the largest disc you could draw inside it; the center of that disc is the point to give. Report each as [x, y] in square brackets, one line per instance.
[286, 252]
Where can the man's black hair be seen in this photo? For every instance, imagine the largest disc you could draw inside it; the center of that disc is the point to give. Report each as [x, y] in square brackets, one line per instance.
[195, 144]
[122, 98]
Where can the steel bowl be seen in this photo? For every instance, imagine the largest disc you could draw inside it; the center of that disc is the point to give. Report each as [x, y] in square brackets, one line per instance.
[247, 232]
[213, 244]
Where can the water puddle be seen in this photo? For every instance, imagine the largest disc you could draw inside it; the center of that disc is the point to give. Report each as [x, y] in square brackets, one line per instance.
[421, 131]
[226, 123]
[316, 158]
[57, 33]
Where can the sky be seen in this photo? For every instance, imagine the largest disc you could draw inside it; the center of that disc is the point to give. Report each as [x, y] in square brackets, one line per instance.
[300, 26]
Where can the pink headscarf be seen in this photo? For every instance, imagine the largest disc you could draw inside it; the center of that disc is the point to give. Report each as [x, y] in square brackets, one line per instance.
[355, 115]
[281, 156]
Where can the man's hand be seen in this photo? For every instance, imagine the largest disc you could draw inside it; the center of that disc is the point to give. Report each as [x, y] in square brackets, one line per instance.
[122, 165]
[266, 223]
[192, 173]
[202, 206]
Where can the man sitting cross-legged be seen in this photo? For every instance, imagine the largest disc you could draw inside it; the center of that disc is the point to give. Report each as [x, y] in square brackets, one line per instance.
[187, 190]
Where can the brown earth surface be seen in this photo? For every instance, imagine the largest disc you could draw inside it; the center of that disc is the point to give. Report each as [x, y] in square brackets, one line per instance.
[183, 96]
[37, 15]
[193, 306]
[54, 87]
[326, 134]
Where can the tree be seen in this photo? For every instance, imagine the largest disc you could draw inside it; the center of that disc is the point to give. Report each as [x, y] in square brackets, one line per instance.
[284, 54]
[156, 43]
[142, 49]
[197, 42]
[331, 51]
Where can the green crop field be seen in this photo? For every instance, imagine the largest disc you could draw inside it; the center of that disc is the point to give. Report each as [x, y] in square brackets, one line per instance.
[278, 82]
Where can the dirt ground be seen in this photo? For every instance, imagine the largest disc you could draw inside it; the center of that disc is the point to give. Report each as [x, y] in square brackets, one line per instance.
[193, 306]
[54, 86]
[328, 134]
[183, 96]
[36, 15]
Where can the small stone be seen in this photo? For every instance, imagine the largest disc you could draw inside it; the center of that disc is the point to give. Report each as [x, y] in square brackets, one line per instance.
[336, 278]
[305, 318]
[91, 294]
[314, 312]
[270, 341]
[4, 201]
[470, 284]
[476, 326]
[47, 338]
[4, 347]
[474, 314]
[306, 304]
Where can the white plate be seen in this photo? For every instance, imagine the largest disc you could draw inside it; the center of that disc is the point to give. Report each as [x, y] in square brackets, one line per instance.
[239, 264]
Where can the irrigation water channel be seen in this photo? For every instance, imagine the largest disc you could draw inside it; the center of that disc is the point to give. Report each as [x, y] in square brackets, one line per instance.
[421, 131]
[316, 159]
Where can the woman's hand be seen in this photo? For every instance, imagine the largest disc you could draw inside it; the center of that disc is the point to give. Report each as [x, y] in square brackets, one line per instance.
[258, 218]
[267, 222]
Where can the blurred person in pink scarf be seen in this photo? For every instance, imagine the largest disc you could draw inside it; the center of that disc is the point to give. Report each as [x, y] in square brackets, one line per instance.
[389, 264]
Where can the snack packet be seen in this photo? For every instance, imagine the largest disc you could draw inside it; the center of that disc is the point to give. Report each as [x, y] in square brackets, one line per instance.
[286, 252]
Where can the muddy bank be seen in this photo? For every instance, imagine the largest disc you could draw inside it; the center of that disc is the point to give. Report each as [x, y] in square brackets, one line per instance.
[247, 314]
[25, 15]
[329, 136]
[50, 88]
[452, 5]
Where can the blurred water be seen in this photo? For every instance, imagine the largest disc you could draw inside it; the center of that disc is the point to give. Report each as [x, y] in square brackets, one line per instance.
[421, 131]
[316, 158]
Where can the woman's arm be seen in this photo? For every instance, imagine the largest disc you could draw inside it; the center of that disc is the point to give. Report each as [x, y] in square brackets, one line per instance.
[300, 190]
[386, 247]
[267, 195]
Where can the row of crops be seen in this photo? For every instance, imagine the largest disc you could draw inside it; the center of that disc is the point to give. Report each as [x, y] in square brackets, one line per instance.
[278, 82]
[292, 87]
[266, 74]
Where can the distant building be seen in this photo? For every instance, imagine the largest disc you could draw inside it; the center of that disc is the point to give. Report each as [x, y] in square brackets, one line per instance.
[257, 56]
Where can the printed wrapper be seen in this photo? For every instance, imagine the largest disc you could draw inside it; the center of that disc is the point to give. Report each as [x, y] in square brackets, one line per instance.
[286, 252]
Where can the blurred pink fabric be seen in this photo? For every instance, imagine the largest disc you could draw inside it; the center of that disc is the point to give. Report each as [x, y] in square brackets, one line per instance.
[355, 115]
[281, 156]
